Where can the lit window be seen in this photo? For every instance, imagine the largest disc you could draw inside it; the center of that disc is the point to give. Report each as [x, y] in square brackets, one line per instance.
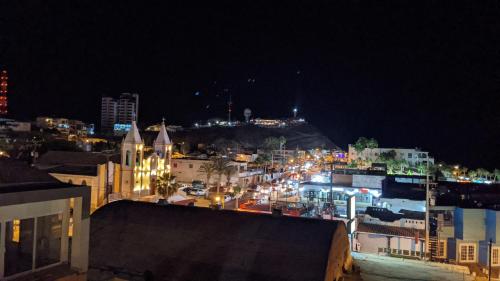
[494, 256]
[467, 252]
[15, 230]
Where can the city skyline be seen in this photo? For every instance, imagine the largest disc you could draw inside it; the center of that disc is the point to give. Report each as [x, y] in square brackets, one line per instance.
[347, 73]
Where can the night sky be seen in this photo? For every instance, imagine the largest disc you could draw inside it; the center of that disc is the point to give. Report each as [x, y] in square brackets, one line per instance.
[408, 73]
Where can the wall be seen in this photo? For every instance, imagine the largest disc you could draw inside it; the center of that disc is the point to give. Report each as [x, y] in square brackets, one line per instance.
[472, 224]
[396, 204]
[371, 242]
[187, 170]
[492, 226]
[366, 181]
[96, 193]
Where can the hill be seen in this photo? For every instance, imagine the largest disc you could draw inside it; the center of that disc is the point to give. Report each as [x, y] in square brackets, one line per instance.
[304, 136]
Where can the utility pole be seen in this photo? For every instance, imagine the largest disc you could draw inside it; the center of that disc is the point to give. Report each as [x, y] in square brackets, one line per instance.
[331, 190]
[427, 205]
[490, 244]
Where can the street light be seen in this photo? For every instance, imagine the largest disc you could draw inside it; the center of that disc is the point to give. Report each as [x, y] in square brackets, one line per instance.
[295, 110]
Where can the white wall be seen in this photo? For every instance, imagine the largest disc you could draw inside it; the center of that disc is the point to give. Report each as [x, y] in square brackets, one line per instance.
[401, 153]
[396, 204]
[474, 224]
[96, 193]
[370, 242]
[367, 181]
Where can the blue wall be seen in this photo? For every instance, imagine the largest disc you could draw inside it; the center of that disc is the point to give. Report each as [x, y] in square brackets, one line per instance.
[491, 226]
[483, 253]
[459, 223]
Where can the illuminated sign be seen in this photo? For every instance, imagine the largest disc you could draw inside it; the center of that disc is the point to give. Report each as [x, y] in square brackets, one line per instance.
[122, 127]
[351, 207]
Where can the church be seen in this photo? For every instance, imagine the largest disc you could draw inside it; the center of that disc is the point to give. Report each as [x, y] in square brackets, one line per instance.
[130, 174]
[140, 167]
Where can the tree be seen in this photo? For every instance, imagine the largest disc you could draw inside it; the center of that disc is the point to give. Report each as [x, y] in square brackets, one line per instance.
[208, 169]
[229, 172]
[463, 171]
[220, 165]
[472, 174]
[422, 168]
[372, 143]
[166, 185]
[360, 144]
[387, 156]
[496, 174]
[236, 190]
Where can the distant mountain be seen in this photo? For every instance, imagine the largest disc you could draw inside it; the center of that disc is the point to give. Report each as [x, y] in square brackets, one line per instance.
[303, 136]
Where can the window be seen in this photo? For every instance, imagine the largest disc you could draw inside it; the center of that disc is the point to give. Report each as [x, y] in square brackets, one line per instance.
[127, 158]
[175, 165]
[467, 252]
[409, 155]
[495, 251]
[138, 158]
[441, 248]
[19, 236]
[190, 166]
[48, 237]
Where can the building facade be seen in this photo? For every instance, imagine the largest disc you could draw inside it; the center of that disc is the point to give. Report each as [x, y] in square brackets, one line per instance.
[139, 170]
[188, 169]
[123, 111]
[38, 215]
[413, 156]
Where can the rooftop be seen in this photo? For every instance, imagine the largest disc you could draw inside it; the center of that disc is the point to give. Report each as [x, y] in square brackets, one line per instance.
[54, 158]
[390, 230]
[187, 243]
[17, 176]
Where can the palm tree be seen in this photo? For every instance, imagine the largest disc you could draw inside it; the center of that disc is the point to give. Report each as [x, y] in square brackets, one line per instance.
[236, 190]
[166, 185]
[422, 168]
[472, 174]
[463, 171]
[496, 174]
[220, 165]
[208, 169]
[229, 172]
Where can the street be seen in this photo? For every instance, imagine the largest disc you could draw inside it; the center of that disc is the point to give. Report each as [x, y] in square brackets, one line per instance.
[381, 268]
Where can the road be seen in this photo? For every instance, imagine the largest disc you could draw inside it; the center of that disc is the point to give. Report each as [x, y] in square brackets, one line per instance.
[380, 268]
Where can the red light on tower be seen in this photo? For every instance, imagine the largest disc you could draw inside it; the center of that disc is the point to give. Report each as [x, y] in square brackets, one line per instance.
[3, 91]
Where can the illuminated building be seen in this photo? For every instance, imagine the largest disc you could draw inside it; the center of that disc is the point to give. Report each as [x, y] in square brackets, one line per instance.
[3, 91]
[412, 156]
[119, 111]
[139, 170]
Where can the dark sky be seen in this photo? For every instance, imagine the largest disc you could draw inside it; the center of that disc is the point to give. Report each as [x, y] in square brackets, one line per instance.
[409, 73]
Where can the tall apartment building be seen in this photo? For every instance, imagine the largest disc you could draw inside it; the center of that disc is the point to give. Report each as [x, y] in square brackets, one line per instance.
[123, 110]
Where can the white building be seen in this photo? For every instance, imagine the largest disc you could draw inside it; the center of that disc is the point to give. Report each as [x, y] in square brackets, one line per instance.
[38, 215]
[389, 240]
[188, 169]
[413, 156]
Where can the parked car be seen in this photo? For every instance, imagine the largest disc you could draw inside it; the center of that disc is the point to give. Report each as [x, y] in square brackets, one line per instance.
[198, 184]
[194, 191]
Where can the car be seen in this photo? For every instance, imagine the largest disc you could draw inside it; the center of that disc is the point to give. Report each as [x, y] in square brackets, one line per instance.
[198, 184]
[198, 191]
[194, 191]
